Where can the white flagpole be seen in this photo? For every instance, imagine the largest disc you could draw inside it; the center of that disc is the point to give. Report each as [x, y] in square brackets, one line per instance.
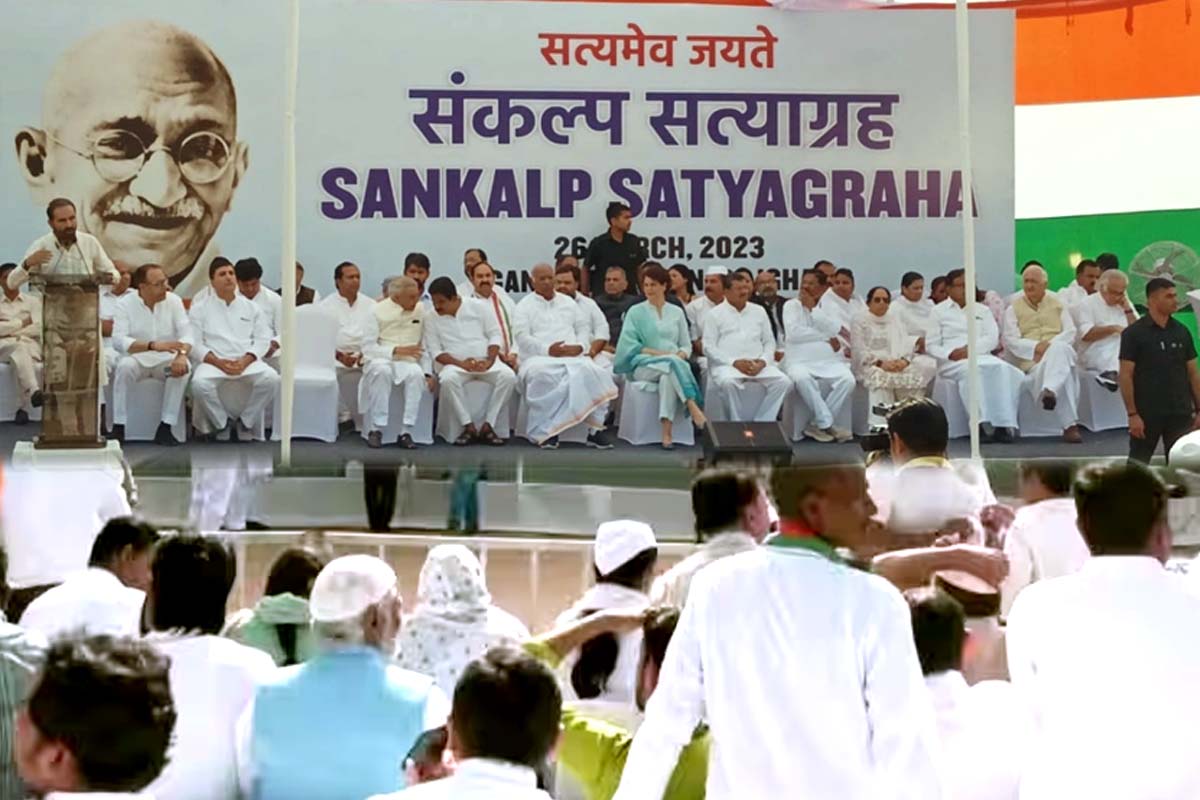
[287, 263]
[962, 40]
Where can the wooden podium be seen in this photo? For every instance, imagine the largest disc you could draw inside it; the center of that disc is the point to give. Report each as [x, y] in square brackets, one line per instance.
[71, 350]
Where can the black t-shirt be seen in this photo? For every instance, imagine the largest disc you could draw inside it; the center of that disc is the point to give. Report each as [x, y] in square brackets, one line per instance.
[1160, 376]
[604, 252]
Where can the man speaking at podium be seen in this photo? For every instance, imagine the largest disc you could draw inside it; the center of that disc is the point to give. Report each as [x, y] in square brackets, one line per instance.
[64, 251]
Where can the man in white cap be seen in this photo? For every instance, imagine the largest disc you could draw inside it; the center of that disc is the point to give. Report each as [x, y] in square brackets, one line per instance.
[340, 725]
[716, 281]
[624, 556]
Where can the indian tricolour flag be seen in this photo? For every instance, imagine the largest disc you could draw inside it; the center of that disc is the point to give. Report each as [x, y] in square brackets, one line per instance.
[1108, 140]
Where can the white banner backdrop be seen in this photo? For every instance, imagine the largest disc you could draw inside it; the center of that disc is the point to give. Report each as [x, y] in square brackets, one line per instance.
[738, 136]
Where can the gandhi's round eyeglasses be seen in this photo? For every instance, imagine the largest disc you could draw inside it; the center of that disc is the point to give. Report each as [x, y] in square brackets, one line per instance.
[119, 155]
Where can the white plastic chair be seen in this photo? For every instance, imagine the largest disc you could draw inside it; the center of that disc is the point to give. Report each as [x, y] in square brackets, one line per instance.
[797, 416]
[639, 423]
[422, 432]
[315, 401]
[144, 411]
[1099, 409]
[477, 394]
[10, 394]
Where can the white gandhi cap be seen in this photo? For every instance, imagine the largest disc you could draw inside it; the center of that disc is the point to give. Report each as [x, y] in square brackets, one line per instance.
[348, 586]
[619, 541]
[717, 269]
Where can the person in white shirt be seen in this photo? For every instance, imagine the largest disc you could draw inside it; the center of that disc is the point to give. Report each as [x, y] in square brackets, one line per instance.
[999, 381]
[1087, 273]
[1012, 298]
[21, 342]
[1043, 541]
[353, 310]
[232, 337]
[503, 726]
[463, 340]
[849, 721]
[212, 678]
[416, 266]
[249, 283]
[845, 305]
[597, 334]
[822, 377]
[1108, 657]
[914, 310]
[107, 597]
[483, 288]
[716, 282]
[1123, 620]
[99, 720]
[1039, 337]
[561, 384]
[65, 250]
[731, 511]
[44, 548]
[983, 728]
[625, 552]
[472, 257]
[108, 298]
[885, 358]
[1101, 318]
[153, 335]
[395, 356]
[740, 348]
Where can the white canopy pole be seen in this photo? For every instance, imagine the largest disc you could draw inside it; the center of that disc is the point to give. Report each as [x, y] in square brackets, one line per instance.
[287, 260]
[962, 40]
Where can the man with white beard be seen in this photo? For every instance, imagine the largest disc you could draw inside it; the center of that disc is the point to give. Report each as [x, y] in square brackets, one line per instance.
[1000, 382]
[1102, 317]
[562, 385]
[1039, 337]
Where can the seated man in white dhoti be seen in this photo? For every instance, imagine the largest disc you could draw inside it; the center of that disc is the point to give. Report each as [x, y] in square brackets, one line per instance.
[845, 305]
[740, 349]
[567, 281]
[885, 359]
[153, 337]
[562, 386]
[1101, 318]
[21, 341]
[395, 357]
[822, 377]
[999, 381]
[249, 279]
[231, 339]
[463, 340]
[353, 311]
[1039, 337]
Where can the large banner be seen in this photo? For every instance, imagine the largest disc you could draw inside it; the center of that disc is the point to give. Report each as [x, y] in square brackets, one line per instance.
[744, 137]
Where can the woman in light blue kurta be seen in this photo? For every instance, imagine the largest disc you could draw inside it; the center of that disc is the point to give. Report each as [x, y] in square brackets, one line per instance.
[653, 348]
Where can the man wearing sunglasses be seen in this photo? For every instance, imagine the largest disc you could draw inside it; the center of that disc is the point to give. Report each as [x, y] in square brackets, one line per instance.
[140, 130]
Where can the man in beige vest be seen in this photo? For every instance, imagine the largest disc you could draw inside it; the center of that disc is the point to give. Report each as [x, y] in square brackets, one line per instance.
[395, 357]
[1039, 337]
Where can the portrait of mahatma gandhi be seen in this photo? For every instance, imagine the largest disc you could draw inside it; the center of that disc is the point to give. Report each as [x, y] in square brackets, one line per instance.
[139, 129]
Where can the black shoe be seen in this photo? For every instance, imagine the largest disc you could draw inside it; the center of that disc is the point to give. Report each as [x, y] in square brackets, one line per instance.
[1108, 380]
[36, 399]
[232, 427]
[1005, 436]
[162, 435]
[599, 440]
[21, 417]
[405, 442]
[118, 433]
[375, 439]
[346, 427]
[987, 434]
[255, 525]
[550, 444]
[1049, 401]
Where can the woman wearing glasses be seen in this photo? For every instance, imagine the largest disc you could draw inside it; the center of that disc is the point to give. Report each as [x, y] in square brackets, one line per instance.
[885, 360]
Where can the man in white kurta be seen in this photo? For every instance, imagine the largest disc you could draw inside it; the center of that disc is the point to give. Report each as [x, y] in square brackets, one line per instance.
[1084, 285]
[353, 311]
[566, 281]
[803, 667]
[562, 385]
[249, 279]
[232, 336]
[740, 348]
[1039, 337]
[822, 377]
[153, 338]
[463, 339]
[395, 357]
[1101, 318]
[1108, 657]
[1000, 382]
[915, 313]
[501, 306]
[107, 300]
[21, 341]
[841, 301]
[716, 280]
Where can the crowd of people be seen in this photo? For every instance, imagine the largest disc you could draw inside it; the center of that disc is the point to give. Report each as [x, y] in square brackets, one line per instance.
[840, 631]
[561, 357]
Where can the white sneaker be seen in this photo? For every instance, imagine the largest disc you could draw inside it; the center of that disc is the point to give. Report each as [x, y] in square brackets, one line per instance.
[816, 434]
[841, 435]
